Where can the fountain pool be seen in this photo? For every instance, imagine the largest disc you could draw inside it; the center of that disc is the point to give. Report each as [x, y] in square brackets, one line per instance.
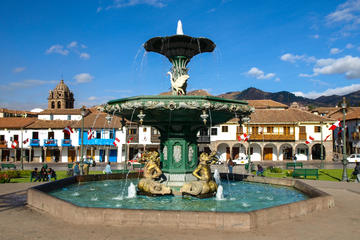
[239, 196]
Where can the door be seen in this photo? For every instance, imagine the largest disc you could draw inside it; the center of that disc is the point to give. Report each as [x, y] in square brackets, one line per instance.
[235, 152]
[71, 155]
[268, 152]
[113, 155]
[48, 156]
[102, 155]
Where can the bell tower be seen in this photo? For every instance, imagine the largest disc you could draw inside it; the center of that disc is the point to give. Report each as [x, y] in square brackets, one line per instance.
[61, 97]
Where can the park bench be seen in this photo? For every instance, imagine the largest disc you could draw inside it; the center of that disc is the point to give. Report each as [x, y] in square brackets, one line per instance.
[294, 165]
[298, 172]
[8, 166]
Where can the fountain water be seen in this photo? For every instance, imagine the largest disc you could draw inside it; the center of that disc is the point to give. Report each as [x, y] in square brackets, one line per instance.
[131, 191]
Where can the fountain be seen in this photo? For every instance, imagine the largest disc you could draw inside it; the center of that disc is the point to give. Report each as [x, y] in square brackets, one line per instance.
[178, 117]
[186, 195]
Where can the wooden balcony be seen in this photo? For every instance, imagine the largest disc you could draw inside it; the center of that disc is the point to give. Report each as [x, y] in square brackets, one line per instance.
[3, 144]
[133, 138]
[155, 138]
[203, 139]
[271, 137]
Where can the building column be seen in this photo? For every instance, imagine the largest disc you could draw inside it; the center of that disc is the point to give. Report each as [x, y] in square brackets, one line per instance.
[1, 154]
[30, 150]
[106, 155]
[15, 154]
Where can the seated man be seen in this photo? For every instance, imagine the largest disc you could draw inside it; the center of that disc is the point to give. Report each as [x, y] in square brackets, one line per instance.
[35, 175]
[260, 170]
[107, 169]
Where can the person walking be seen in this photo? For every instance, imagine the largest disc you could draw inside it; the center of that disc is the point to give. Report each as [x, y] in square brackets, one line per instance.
[356, 172]
[230, 165]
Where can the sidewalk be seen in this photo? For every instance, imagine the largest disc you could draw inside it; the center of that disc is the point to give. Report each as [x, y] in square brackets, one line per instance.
[339, 223]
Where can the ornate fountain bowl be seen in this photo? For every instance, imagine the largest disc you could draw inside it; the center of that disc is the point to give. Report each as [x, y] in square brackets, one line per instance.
[179, 45]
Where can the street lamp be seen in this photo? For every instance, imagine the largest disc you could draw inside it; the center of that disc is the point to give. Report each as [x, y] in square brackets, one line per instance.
[344, 161]
[83, 112]
[247, 120]
[321, 147]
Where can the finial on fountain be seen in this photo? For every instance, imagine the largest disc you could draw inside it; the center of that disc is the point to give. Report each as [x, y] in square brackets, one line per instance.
[179, 30]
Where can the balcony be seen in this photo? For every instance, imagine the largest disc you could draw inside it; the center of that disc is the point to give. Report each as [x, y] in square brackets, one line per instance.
[203, 139]
[50, 142]
[271, 137]
[302, 136]
[34, 142]
[98, 141]
[66, 143]
[3, 144]
[155, 138]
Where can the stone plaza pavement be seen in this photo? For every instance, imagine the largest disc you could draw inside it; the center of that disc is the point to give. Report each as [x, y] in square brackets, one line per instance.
[17, 221]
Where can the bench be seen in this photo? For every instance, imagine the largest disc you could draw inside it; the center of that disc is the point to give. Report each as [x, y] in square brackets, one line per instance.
[294, 165]
[8, 166]
[252, 167]
[298, 172]
[70, 165]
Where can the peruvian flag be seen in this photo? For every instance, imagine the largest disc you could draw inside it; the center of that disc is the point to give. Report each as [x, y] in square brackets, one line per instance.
[116, 142]
[130, 140]
[68, 130]
[335, 125]
[327, 137]
[309, 140]
[14, 144]
[244, 137]
[26, 141]
[91, 134]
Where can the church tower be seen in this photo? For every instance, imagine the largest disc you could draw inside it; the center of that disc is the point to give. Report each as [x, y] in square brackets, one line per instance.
[61, 97]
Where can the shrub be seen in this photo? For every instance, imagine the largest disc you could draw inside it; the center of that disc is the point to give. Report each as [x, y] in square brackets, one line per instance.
[275, 170]
[4, 178]
[289, 173]
[25, 173]
[13, 173]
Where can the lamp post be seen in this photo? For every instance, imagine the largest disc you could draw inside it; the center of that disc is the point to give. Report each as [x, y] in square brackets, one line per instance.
[344, 161]
[321, 147]
[83, 113]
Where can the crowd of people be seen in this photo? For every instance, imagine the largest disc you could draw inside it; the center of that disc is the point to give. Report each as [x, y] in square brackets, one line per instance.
[45, 174]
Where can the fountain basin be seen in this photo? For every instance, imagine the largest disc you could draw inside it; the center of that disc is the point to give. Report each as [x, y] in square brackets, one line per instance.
[39, 198]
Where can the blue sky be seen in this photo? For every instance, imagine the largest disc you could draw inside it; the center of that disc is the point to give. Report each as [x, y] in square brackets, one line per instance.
[307, 47]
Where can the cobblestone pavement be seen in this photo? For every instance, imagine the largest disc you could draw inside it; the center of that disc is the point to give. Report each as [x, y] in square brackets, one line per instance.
[17, 221]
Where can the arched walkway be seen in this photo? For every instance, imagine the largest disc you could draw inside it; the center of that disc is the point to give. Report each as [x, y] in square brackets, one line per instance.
[316, 152]
[285, 152]
[302, 152]
[238, 150]
[270, 152]
[255, 152]
[224, 151]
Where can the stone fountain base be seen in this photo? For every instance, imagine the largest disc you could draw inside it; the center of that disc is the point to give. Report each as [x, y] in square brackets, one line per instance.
[178, 180]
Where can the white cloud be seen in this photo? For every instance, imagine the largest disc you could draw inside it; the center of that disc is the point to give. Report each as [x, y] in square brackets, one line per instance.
[335, 51]
[129, 3]
[306, 75]
[349, 46]
[19, 69]
[258, 74]
[57, 49]
[92, 98]
[84, 55]
[331, 91]
[277, 79]
[348, 65]
[288, 57]
[316, 36]
[347, 12]
[72, 44]
[83, 78]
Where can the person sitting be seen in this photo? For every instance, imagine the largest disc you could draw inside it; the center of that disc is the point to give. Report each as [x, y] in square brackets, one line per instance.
[260, 170]
[35, 175]
[107, 169]
[356, 172]
[51, 174]
[76, 169]
[43, 174]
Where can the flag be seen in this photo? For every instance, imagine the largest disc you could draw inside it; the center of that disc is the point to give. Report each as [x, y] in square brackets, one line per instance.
[115, 142]
[131, 139]
[14, 144]
[91, 134]
[327, 137]
[68, 130]
[25, 141]
[335, 125]
[243, 137]
[309, 140]
[340, 131]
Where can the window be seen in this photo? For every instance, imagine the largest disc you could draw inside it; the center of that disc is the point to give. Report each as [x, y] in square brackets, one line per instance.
[66, 135]
[111, 134]
[98, 134]
[52, 104]
[144, 129]
[35, 135]
[2, 138]
[204, 132]
[213, 131]
[132, 131]
[16, 137]
[59, 104]
[317, 129]
[240, 129]
[224, 129]
[51, 135]
[270, 129]
[286, 130]
[155, 131]
[68, 117]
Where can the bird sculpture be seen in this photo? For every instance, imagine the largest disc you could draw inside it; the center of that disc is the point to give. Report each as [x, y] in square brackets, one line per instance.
[178, 85]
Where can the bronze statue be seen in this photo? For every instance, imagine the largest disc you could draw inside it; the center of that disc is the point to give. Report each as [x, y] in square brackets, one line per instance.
[149, 184]
[205, 185]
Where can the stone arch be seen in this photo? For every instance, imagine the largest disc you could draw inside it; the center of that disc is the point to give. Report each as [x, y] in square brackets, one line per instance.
[316, 152]
[302, 151]
[52, 104]
[285, 152]
[59, 104]
[238, 150]
[223, 150]
[270, 152]
[255, 152]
